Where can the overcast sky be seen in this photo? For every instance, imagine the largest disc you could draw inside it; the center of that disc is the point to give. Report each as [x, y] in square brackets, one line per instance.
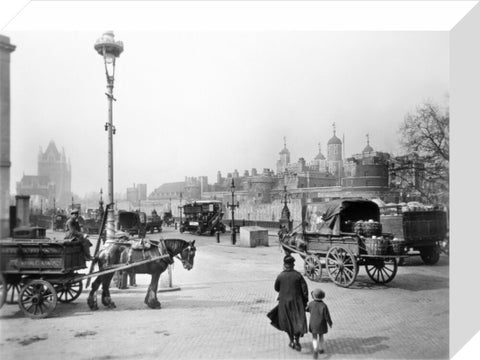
[190, 103]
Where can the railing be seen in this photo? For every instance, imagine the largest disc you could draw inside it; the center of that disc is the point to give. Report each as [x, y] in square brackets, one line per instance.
[243, 222]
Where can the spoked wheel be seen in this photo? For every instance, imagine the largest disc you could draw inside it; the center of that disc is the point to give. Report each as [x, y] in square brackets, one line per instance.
[313, 267]
[38, 299]
[381, 270]
[430, 255]
[3, 290]
[342, 266]
[13, 293]
[69, 291]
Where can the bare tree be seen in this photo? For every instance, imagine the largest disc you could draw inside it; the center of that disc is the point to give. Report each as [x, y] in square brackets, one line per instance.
[425, 135]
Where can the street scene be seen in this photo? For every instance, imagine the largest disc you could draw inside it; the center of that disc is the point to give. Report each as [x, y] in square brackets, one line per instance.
[246, 194]
[218, 310]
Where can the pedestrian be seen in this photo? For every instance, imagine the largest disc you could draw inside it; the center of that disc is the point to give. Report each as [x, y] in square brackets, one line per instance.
[74, 232]
[319, 318]
[292, 299]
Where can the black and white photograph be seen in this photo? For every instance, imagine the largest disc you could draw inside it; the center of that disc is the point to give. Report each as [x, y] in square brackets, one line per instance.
[237, 180]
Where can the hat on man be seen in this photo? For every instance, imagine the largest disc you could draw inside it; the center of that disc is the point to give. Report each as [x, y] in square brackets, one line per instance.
[73, 211]
[288, 260]
[318, 294]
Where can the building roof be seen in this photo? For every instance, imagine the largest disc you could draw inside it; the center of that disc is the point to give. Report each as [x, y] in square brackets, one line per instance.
[319, 156]
[334, 140]
[35, 179]
[284, 150]
[368, 149]
[170, 187]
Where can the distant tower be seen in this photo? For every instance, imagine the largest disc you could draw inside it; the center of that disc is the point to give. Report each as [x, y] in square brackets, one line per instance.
[54, 165]
[334, 154]
[320, 161]
[284, 158]
[368, 148]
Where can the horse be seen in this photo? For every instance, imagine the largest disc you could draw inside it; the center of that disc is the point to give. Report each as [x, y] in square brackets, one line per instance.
[123, 253]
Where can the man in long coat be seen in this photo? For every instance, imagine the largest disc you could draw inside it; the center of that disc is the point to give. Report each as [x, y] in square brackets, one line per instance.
[74, 232]
[292, 300]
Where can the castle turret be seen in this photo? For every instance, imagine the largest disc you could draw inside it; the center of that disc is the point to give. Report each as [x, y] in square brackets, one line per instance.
[368, 148]
[284, 160]
[334, 154]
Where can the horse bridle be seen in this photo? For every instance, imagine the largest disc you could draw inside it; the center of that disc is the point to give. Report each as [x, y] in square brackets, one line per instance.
[188, 260]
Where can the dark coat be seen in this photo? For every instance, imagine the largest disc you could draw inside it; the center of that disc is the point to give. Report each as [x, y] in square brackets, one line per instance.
[75, 232]
[319, 317]
[292, 299]
[73, 229]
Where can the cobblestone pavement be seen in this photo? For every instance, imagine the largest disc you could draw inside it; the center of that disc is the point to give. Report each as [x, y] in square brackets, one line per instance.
[219, 313]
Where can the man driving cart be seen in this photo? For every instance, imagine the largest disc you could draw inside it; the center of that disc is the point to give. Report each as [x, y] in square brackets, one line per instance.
[74, 232]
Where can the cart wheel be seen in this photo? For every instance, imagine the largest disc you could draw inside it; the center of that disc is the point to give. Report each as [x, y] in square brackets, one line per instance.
[38, 299]
[381, 270]
[69, 291]
[13, 292]
[3, 290]
[430, 255]
[342, 266]
[313, 268]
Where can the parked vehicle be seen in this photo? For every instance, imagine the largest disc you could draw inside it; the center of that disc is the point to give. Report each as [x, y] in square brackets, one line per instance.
[154, 222]
[168, 218]
[59, 222]
[132, 222]
[423, 231]
[203, 217]
[340, 236]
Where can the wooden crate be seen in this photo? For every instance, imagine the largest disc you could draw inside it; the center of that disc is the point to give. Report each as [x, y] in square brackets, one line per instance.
[324, 243]
[33, 257]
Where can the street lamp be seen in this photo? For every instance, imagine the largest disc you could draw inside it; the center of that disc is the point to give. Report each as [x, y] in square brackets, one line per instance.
[109, 49]
[285, 217]
[180, 210]
[232, 206]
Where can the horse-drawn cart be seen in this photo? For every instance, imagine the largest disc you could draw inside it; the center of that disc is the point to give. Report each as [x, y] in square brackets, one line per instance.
[341, 236]
[43, 271]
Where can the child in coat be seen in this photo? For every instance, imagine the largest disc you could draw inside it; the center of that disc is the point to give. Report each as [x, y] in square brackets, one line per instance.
[319, 318]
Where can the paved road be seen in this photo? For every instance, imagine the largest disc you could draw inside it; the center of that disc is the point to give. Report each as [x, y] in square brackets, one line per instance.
[219, 313]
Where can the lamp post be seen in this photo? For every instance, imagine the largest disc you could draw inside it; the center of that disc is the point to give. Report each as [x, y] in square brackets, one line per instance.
[232, 206]
[180, 210]
[109, 49]
[285, 216]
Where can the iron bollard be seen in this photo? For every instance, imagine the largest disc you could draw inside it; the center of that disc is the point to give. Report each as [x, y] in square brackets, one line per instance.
[175, 226]
[218, 236]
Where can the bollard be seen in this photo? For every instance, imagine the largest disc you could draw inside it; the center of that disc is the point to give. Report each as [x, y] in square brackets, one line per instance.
[175, 226]
[218, 236]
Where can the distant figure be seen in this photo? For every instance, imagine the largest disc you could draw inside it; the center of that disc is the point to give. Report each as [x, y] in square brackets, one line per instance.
[292, 300]
[319, 318]
[74, 232]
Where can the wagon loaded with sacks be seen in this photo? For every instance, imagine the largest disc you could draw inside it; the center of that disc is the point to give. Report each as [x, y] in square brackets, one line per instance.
[340, 236]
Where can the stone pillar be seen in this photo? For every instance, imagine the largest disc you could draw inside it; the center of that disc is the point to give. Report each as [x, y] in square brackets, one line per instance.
[23, 210]
[5, 49]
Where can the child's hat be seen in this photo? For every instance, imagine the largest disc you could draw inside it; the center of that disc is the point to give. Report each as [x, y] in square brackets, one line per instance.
[318, 294]
[288, 259]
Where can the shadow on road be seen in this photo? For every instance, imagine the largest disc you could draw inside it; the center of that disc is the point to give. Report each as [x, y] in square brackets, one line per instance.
[357, 345]
[420, 282]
